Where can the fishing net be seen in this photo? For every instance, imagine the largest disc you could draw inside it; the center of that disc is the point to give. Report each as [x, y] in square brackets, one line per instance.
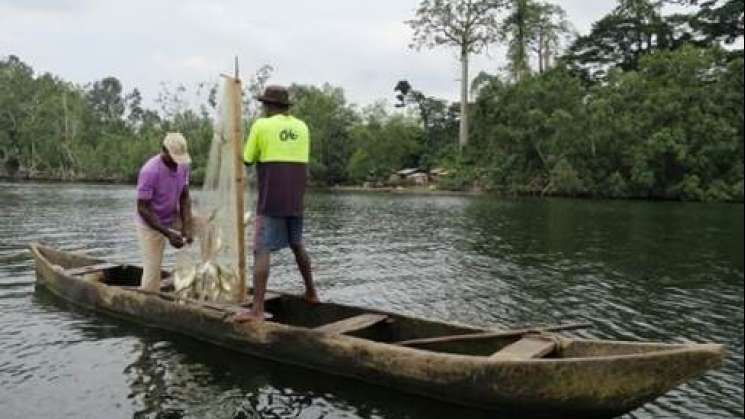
[208, 270]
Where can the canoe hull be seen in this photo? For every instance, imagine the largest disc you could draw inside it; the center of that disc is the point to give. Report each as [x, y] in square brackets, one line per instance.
[592, 387]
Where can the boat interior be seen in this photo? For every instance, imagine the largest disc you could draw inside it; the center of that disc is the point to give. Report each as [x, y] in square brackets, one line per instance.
[370, 324]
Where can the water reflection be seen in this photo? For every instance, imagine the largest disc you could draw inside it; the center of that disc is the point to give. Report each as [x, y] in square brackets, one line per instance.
[642, 271]
[170, 376]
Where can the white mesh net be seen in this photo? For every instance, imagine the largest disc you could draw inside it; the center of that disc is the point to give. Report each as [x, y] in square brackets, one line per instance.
[210, 272]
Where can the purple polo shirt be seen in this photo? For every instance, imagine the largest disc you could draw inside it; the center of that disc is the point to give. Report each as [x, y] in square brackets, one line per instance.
[162, 187]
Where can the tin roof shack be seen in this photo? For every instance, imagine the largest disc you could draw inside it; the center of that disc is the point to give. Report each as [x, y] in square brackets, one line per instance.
[438, 173]
[409, 177]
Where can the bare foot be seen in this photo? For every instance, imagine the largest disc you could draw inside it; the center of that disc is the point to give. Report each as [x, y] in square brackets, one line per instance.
[249, 316]
[312, 299]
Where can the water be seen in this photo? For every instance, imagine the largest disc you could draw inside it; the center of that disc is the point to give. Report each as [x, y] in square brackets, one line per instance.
[638, 271]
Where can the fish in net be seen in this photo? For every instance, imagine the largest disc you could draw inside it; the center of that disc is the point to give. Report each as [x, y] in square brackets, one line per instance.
[209, 270]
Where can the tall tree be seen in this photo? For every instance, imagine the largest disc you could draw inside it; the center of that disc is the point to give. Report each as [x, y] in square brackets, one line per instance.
[469, 25]
[721, 20]
[330, 119]
[518, 26]
[106, 98]
[634, 28]
[255, 87]
[533, 27]
[551, 31]
[16, 87]
[133, 102]
[435, 117]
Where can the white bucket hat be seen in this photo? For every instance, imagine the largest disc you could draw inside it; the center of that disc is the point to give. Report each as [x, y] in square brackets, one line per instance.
[176, 145]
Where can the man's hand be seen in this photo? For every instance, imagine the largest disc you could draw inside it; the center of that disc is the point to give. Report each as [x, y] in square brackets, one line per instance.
[187, 235]
[175, 238]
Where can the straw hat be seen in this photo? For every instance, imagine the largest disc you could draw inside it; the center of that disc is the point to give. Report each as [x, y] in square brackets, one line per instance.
[177, 148]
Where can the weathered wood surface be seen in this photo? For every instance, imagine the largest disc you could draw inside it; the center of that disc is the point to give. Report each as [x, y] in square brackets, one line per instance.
[526, 348]
[352, 324]
[491, 335]
[236, 136]
[92, 268]
[591, 378]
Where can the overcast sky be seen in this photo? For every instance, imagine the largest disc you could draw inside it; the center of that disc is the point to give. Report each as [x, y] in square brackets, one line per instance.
[360, 45]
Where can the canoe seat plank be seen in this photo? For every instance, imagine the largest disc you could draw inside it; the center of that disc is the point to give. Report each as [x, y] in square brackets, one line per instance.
[528, 347]
[352, 324]
[91, 268]
[489, 335]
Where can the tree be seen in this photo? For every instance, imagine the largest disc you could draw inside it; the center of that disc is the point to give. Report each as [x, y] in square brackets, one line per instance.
[551, 28]
[16, 86]
[724, 22]
[133, 103]
[106, 99]
[383, 144]
[518, 25]
[172, 101]
[330, 120]
[437, 120]
[635, 28]
[253, 88]
[533, 27]
[717, 20]
[469, 25]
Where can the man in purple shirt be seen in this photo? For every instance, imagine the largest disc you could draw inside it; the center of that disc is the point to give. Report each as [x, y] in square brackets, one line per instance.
[163, 206]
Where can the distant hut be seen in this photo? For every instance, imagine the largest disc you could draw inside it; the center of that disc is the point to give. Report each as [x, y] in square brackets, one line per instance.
[411, 177]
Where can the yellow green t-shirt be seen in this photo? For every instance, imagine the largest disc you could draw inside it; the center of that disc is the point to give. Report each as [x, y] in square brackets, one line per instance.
[279, 138]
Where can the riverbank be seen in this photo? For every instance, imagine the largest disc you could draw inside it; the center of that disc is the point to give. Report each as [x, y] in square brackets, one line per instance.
[399, 190]
[71, 180]
[412, 190]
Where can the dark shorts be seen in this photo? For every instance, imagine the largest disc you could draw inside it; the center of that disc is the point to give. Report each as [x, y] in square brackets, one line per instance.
[276, 233]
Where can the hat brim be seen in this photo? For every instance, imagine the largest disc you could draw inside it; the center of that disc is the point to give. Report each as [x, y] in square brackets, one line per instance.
[273, 101]
[182, 159]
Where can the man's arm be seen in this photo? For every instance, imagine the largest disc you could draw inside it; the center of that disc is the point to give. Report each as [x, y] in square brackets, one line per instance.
[146, 212]
[187, 229]
[252, 151]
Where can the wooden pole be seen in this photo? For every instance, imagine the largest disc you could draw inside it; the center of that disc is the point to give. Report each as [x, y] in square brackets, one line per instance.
[240, 180]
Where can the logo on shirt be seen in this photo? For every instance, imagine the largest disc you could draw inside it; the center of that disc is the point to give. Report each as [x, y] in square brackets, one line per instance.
[288, 135]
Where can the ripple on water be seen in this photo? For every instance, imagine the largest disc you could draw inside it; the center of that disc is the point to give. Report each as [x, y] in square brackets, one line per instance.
[638, 271]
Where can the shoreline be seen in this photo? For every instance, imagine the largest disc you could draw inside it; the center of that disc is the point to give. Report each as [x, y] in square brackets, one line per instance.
[53, 180]
[421, 191]
[404, 191]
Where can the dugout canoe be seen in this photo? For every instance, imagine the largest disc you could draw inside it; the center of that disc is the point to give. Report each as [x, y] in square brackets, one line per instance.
[525, 372]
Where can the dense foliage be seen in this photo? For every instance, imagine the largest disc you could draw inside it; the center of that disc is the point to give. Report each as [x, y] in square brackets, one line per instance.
[645, 106]
[671, 129]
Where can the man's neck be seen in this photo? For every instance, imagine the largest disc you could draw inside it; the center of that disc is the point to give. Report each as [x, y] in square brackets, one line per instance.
[168, 162]
[272, 113]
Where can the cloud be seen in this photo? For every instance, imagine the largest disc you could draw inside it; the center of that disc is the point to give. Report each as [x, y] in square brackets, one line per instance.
[361, 46]
[45, 6]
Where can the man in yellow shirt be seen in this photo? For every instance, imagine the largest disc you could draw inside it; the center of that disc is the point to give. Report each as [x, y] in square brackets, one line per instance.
[279, 145]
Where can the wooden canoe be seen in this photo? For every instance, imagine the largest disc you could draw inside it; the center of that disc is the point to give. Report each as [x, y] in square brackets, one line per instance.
[519, 373]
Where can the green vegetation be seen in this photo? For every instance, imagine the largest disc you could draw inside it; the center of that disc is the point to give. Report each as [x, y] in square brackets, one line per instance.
[644, 106]
[52, 129]
[469, 26]
[673, 129]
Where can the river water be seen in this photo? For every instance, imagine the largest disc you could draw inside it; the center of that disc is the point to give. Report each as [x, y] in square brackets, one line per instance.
[668, 272]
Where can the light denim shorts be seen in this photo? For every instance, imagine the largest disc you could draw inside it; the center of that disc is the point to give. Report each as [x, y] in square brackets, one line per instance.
[276, 233]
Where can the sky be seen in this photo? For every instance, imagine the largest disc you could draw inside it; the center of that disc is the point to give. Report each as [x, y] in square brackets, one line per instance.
[359, 45]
